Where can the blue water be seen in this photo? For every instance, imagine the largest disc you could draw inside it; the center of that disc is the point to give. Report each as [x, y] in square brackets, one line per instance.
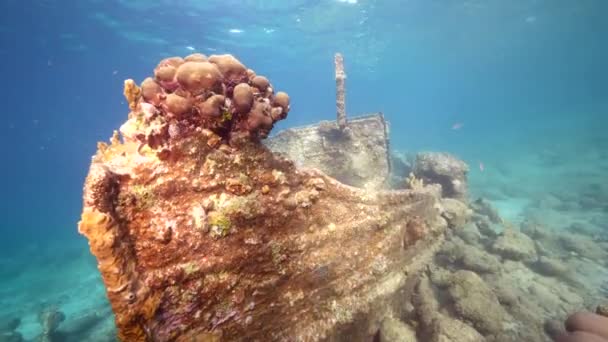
[525, 78]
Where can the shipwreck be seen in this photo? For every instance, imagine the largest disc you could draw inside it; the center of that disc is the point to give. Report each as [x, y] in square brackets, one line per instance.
[204, 233]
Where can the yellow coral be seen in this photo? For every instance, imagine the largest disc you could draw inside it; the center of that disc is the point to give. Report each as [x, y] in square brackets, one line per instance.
[414, 183]
[132, 93]
[219, 223]
[144, 196]
[115, 139]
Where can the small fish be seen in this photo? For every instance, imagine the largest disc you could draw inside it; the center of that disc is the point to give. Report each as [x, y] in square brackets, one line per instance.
[235, 30]
[49, 63]
[191, 48]
[481, 167]
[114, 72]
[457, 126]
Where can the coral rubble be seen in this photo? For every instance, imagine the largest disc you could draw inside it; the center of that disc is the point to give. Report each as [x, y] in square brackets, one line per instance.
[202, 233]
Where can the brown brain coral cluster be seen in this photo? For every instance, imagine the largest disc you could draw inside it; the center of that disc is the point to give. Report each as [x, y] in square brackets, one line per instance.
[217, 93]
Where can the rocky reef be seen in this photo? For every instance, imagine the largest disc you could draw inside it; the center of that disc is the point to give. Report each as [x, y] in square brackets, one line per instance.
[8, 329]
[445, 169]
[494, 281]
[202, 233]
[54, 327]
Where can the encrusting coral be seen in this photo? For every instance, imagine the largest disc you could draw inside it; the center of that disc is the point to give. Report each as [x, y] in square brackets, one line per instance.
[201, 233]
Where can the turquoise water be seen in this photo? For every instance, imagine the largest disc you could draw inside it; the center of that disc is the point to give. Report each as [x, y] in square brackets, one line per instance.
[524, 80]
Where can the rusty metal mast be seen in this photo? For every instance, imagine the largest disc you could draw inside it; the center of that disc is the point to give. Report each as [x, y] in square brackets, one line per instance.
[340, 91]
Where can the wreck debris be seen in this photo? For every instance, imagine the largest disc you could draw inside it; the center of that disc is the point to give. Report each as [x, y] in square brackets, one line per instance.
[205, 233]
[359, 158]
[354, 152]
[340, 91]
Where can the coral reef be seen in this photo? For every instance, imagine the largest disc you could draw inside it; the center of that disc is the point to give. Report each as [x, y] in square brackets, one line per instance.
[551, 267]
[496, 283]
[514, 245]
[455, 212]
[468, 256]
[434, 325]
[202, 233]
[484, 208]
[476, 302]
[560, 244]
[443, 168]
[392, 329]
[401, 166]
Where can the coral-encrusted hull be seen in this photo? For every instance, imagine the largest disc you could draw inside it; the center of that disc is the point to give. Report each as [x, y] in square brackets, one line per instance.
[237, 242]
[207, 235]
